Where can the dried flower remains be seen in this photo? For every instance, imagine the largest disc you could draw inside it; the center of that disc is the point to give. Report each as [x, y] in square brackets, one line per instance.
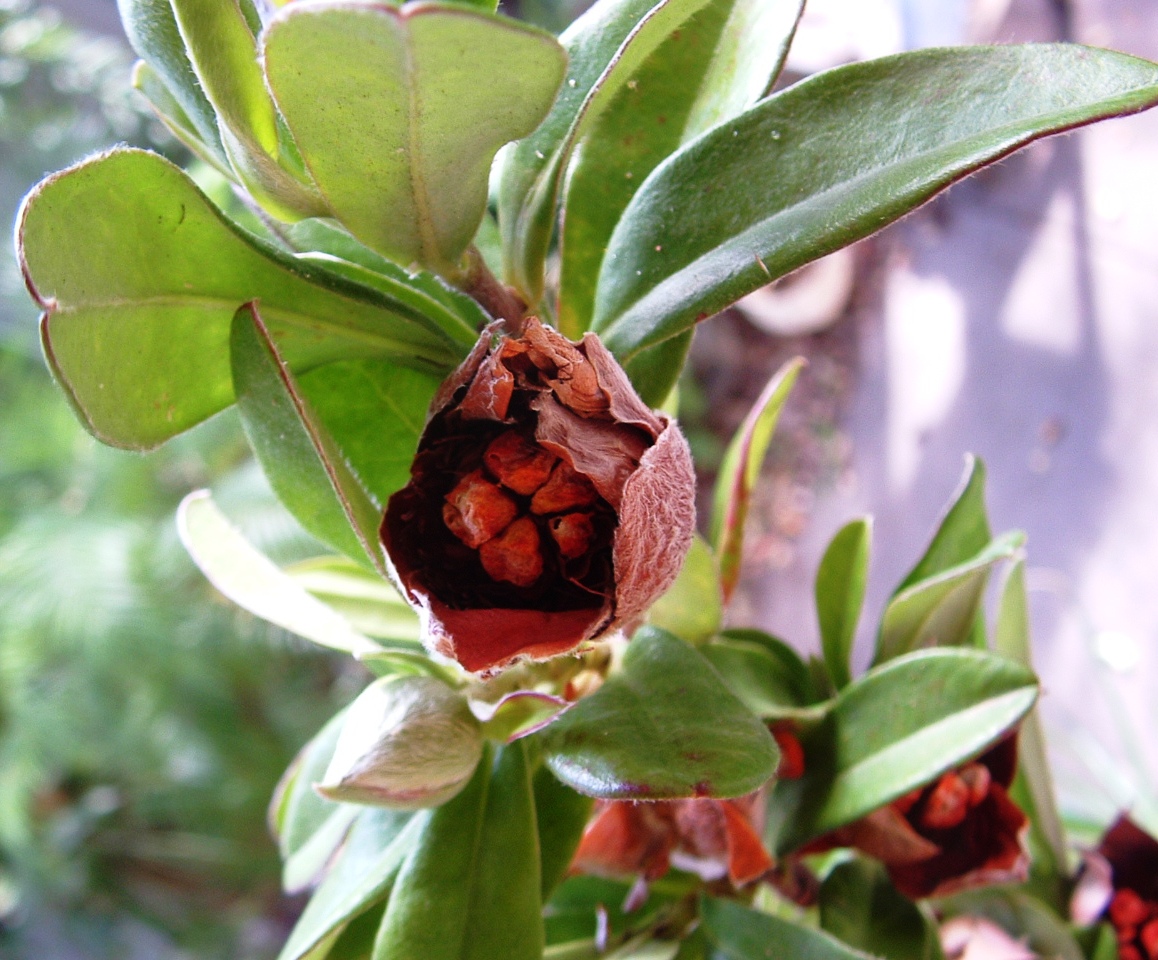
[547, 504]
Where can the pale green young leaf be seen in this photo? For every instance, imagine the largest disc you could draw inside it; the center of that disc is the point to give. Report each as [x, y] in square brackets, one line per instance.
[741, 470]
[409, 181]
[252, 581]
[692, 608]
[140, 276]
[943, 609]
[839, 590]
[370, 604]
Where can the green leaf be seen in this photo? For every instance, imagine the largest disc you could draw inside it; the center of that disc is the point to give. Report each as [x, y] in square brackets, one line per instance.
[470, 888]
[840, 586]
[741, 469]
[860, 906]
[140, 276]
[151, 27]
[299, 458]
[561, 814]
[375, 411]
[1033, 788]
[944, 609]
[736, 932]
[762, 682]
[171, 113]
[605, 47]
[252, 581]
[222, 49]
[895, 729]
[833, 159]
[692, 608]
[656, 372]
[368, 603]
[362, 875]
[720, 62]
[962, 532]
[409, 180]
[794, 671]
[309, 828]
[642, 735]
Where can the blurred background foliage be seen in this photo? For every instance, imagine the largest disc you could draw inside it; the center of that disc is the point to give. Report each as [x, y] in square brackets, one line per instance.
[143, 720]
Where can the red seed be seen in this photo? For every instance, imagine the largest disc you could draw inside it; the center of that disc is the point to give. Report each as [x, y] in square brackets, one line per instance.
[518, 462]
[977, 779]
[948, 804]
[1149, 938]
[477, 510]
[906, 803]
[566, 490]
[1127, 909]
[573, 533]
[1128, 951]
[514, 555]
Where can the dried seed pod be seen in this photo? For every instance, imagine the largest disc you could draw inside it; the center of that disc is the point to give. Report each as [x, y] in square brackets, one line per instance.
[407, 742]
[603, 493]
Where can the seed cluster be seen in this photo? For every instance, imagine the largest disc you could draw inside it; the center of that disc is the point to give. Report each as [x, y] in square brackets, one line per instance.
[948, 802]
[1135, 921]
[522, 502]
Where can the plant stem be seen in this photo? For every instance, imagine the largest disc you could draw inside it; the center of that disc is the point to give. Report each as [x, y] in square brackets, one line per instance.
[499, 300]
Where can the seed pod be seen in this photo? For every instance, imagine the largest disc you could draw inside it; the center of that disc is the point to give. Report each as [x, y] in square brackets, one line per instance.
[547, 504]
[408, 742]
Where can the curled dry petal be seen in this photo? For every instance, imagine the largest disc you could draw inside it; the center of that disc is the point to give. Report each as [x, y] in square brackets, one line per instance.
[713, 838]
[547, 504]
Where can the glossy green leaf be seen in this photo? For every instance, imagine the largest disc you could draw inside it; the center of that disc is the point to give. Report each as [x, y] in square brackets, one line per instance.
[894, 729]
[151, 27]
[859, 906]
[692, 608]
[761, 681]
[375, 411]
[720, 62]
[656, 371]
[297, 454]
[962, 532]
[140, 276]
[368, 603]
[470, 888]
[840, 586]
[831, 160]
[398, 113]
[252, 581]
[571, 914]
[741, 470]
[943, 609]
[605, 47]
[362, 875]
[561, 814]
[735, 932]
[642, 735]
[1033, 788]
[309, 828]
